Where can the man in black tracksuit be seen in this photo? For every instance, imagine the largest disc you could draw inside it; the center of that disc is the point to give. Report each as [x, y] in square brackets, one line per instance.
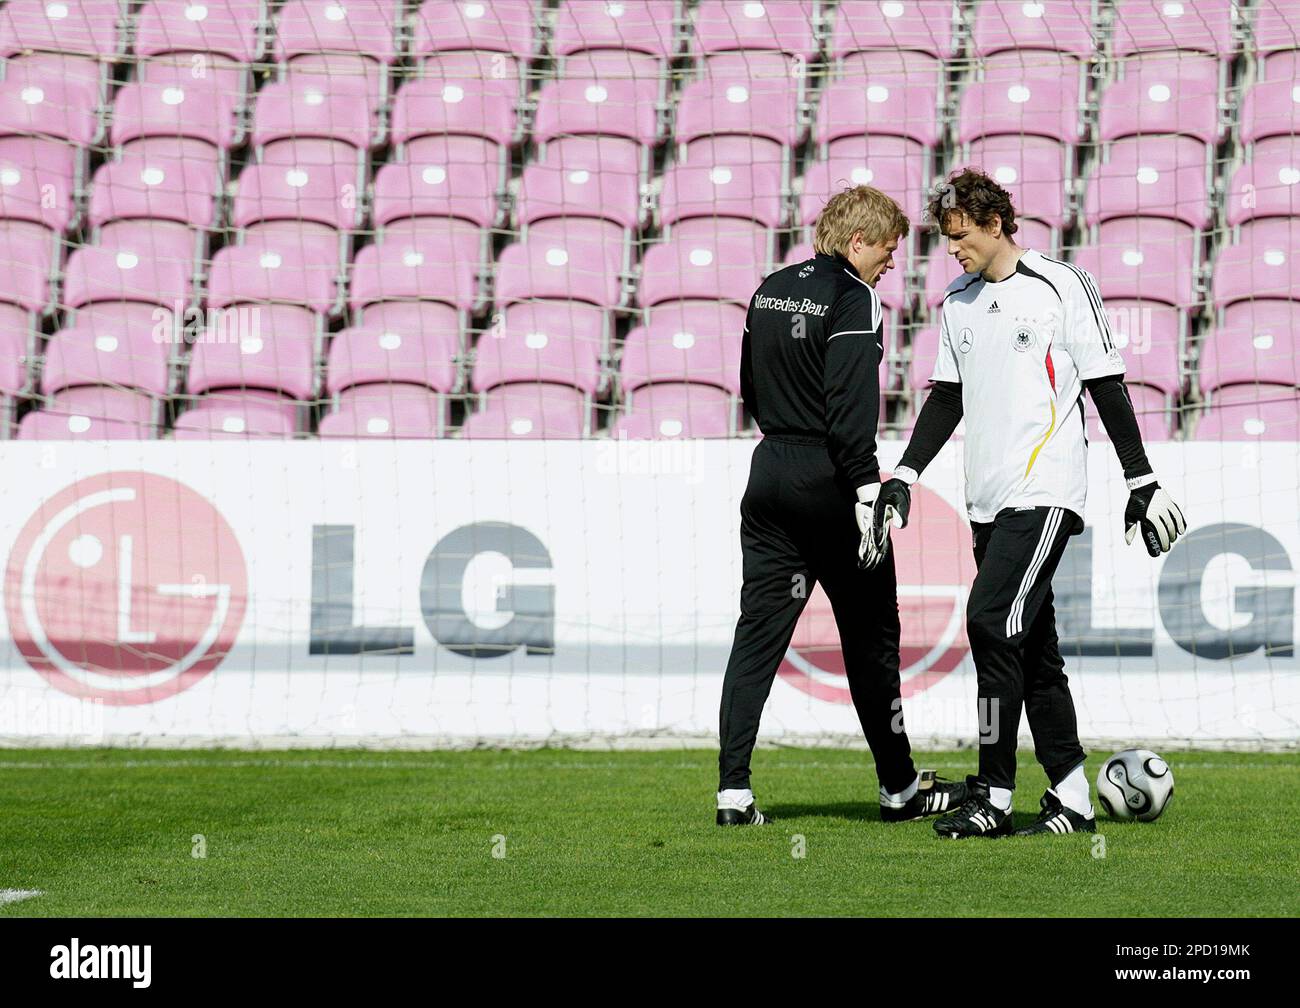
[812, 347]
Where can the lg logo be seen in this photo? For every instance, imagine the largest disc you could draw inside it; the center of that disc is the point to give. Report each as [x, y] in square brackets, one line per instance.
[485, 591]
[126, 587]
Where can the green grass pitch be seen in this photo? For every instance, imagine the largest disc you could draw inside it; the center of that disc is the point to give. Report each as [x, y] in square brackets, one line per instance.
[113, 832]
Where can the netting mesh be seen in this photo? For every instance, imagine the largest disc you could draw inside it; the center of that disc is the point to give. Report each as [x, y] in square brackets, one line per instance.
[500, 220]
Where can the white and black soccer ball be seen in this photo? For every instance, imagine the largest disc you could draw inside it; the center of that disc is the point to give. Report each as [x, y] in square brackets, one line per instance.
[1135, 784]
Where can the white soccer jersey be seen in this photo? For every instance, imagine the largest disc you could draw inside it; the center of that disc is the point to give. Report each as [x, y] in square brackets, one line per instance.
[1021, 349]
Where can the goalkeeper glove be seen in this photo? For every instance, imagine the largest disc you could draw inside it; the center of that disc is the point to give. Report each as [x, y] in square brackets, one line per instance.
[1160, 519]
[880, 506]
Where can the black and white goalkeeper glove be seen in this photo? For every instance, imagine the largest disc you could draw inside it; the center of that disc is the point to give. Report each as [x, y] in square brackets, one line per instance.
[1155, 512]
[878, 507]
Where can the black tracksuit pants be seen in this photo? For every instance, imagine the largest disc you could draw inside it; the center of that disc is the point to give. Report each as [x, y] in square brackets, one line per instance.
[797, 528]
[1011, 624]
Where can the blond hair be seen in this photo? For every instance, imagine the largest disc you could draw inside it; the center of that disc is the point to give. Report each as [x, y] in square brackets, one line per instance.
[859, 208]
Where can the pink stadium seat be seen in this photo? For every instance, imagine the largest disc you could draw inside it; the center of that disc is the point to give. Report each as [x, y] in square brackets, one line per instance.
[1024, 67]
[897, 66]
[1280, 65]
[617, 64]
[880, 105]
[1147, 258]
[232, 415]
[364, 355]
[1201, 26]
[463, 189]
[680, 350]
[922, 25]
[78, 27]
[29, 255]
[925, 351]
[276, 353]
[798, 253]
[640, 26]
[608, 107]
[1151, 177]
[175, 105]
[96, 353]
[749, 191]
[1258, 341]
[584, 260]
[145, 185]
[1270, 109]
[942, 269]
[557, 343]
[356, 28]
[1018, 104]
[550, 190]
[450, 149]
[695, 263]
[429, 107]
[1149, 335]
[530, 412]
[554, 320]
[139, 263]
[273, 269]
[422, 259]
[395, 410]
[1277, 39]
[506, 74]
[218, 27]
[1063, 26]
[51, 107]
[93, 413]
[610, 154]
[82, 80]
[675, 409]
[1262, 264]
[1251, 413]
[1032, 169]
[891, 164]
[752, 108]
[1174, 93]
[1266, 186]
[505, 26]
[234, 80]
[38, 180]
[1149, 405]
[778, 25]
[339, 109]
[412, 317]
[329, 195]
[1034, 234]
[18, 349]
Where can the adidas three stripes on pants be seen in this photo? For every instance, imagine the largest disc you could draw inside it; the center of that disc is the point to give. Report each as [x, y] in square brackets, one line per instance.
[1011, 624]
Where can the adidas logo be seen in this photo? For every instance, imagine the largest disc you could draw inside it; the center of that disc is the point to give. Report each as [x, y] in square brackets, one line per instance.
[993, 309]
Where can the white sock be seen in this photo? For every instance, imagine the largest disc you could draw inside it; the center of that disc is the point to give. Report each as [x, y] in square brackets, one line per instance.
[735, 798]
[1073, 792]
[897, 800]
[1001, 798]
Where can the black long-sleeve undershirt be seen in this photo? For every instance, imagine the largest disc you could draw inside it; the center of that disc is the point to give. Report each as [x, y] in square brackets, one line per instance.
[1116, 411]
[939, 417]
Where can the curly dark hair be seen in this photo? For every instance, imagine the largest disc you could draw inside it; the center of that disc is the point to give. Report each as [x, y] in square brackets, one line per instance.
[974, 193]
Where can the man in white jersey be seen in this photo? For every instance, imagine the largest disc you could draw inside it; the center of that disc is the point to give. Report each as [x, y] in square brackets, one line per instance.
[1022, 335]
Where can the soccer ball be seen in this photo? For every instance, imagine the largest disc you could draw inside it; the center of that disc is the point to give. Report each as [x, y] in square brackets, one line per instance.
[1135, 784]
